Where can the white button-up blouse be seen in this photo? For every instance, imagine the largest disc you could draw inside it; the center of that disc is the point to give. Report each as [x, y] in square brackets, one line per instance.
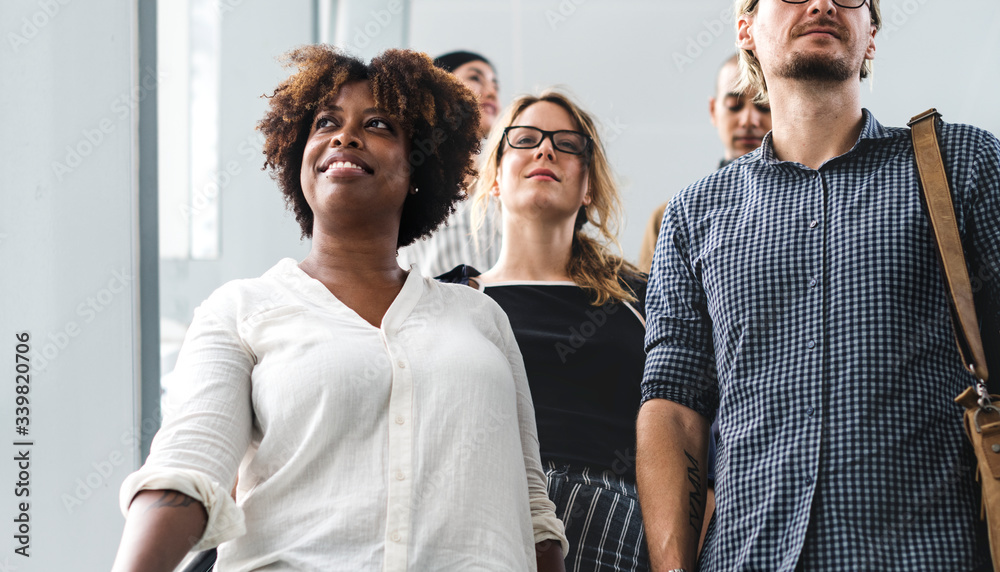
[406, 447]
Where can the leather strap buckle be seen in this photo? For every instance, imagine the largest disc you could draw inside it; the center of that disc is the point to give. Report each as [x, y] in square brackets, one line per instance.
[917, 118]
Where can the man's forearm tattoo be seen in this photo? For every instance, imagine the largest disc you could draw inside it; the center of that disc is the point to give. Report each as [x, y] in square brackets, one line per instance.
[696, 498]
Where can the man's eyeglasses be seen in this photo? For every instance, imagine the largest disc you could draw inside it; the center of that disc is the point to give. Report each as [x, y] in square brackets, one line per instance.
[842, 3]
[524, 137]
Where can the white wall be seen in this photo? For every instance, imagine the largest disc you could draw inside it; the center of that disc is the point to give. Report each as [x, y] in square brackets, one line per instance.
[69, 259]
[646, 68]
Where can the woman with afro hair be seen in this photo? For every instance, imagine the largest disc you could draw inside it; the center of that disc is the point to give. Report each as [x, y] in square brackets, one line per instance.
[375, 419]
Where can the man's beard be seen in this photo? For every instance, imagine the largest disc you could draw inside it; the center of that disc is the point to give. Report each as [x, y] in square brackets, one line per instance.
[817, 68]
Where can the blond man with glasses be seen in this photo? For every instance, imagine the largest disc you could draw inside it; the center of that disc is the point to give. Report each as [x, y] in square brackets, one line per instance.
[796, 293]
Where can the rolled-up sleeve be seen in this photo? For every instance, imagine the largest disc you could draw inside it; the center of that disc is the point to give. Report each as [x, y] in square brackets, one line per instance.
[199, 448]
[545, 524]
[680, 359]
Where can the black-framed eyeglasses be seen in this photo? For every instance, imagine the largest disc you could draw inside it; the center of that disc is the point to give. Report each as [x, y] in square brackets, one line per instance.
[842, 3]
[525, 137]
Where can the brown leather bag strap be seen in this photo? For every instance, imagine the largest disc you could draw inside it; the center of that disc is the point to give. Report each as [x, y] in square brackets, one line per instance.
[934, 181]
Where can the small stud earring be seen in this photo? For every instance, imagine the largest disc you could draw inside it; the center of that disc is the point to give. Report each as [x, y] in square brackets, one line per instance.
[414, 190]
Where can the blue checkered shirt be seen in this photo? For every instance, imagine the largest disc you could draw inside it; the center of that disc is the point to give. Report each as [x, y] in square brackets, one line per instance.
[806, 307]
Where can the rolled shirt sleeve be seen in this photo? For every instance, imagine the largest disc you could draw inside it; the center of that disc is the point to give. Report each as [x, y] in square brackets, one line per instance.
[225, 519]
[545, 523]
[198, 449]
[680, 360]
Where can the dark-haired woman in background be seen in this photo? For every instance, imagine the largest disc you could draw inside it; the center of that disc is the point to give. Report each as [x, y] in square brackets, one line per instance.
[388, 416]
[577, 314]
[455, 242]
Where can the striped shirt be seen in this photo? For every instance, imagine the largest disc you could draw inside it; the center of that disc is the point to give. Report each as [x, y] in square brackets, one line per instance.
[806, 307]
[455, 243]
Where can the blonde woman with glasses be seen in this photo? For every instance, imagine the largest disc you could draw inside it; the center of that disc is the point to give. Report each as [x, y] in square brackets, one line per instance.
[577, 315]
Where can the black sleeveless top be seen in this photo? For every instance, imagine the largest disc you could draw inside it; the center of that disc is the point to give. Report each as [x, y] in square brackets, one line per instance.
[584, 365]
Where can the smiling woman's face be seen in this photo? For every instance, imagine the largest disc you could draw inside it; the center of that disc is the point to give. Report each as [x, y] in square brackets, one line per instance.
[355, 159]
[543, 181]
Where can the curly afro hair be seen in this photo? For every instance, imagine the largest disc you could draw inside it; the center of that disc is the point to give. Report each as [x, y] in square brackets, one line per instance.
[440, 115]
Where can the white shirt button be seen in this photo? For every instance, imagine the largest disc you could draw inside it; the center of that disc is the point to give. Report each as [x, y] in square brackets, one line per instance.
[400, 476]
[400, 420]
[395, 536]
[401, 364]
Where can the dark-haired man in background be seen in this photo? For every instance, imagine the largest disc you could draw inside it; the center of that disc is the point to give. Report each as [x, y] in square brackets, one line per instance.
[741, 124]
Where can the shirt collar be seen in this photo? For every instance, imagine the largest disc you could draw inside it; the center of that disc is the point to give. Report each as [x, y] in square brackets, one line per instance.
[871, 130]
[400, 308]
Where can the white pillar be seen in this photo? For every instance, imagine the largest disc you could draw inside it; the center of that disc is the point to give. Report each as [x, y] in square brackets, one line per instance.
[69, 254]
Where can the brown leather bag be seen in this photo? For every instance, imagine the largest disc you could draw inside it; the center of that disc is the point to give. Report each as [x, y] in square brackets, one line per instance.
[982, 418]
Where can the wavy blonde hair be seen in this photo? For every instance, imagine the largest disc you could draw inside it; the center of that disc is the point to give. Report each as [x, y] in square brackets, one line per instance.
[751, 76]
[592, 264]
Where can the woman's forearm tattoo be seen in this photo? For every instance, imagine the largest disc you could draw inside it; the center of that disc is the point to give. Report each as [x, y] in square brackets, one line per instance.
[171, 499]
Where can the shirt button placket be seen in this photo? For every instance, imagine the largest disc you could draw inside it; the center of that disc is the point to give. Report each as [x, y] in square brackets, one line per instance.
[400, 451]
[813, 335]
[813, 224]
